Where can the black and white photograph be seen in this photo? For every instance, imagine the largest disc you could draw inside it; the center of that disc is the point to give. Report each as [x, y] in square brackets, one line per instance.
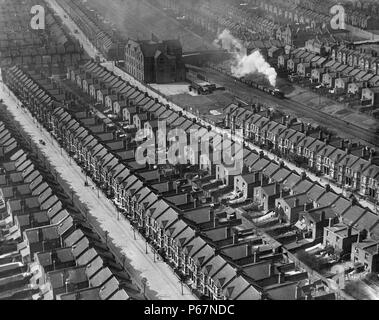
[184, 156]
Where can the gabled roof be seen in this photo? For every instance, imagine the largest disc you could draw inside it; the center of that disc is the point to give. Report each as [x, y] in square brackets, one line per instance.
[302, 186]
[281, 174]
[353, 214]
[260, 164]
[236, 287]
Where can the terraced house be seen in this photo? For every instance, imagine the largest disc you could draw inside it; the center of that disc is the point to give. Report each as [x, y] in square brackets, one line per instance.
[341, 161]
[49, 235]
[157, 203]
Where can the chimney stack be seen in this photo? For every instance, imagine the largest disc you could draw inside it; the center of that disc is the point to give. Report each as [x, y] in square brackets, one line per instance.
[330, 222]
[277, 188]
[235, 237]
[280, 278]
[270, 269]
[228, 232]
[349, 231]
[322, 218]
[249, 249]
[363, 155]
[297, 292]
[296, 203]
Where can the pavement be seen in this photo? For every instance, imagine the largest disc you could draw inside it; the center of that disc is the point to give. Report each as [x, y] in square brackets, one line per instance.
[162, 283]
[242, 90]
[79, 35]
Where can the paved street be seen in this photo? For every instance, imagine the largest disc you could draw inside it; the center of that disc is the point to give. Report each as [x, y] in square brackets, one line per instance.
[162, 283]
[241, 88]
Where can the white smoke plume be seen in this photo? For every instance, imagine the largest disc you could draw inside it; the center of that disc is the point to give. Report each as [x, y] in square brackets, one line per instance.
[244, 64]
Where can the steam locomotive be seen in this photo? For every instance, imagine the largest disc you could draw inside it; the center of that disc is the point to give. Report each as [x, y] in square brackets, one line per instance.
[261, 86]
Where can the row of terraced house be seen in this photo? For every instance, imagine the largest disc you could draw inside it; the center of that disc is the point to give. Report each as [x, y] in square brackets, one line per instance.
[106, 40]
[351, 72]
[348, 164]
[138, 105]
[219, 258]
[45, 236]
[20, 45]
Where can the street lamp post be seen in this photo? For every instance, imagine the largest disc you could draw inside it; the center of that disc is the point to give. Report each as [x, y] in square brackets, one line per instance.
[182, 286]
[144, 281]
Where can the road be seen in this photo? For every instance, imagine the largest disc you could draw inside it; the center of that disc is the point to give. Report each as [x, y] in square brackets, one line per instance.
[348, 130]
[300, 110]
[75, 31]
[162, 283]
[218, 78]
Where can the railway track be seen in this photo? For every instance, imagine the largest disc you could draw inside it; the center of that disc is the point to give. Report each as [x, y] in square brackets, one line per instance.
[301, 110]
